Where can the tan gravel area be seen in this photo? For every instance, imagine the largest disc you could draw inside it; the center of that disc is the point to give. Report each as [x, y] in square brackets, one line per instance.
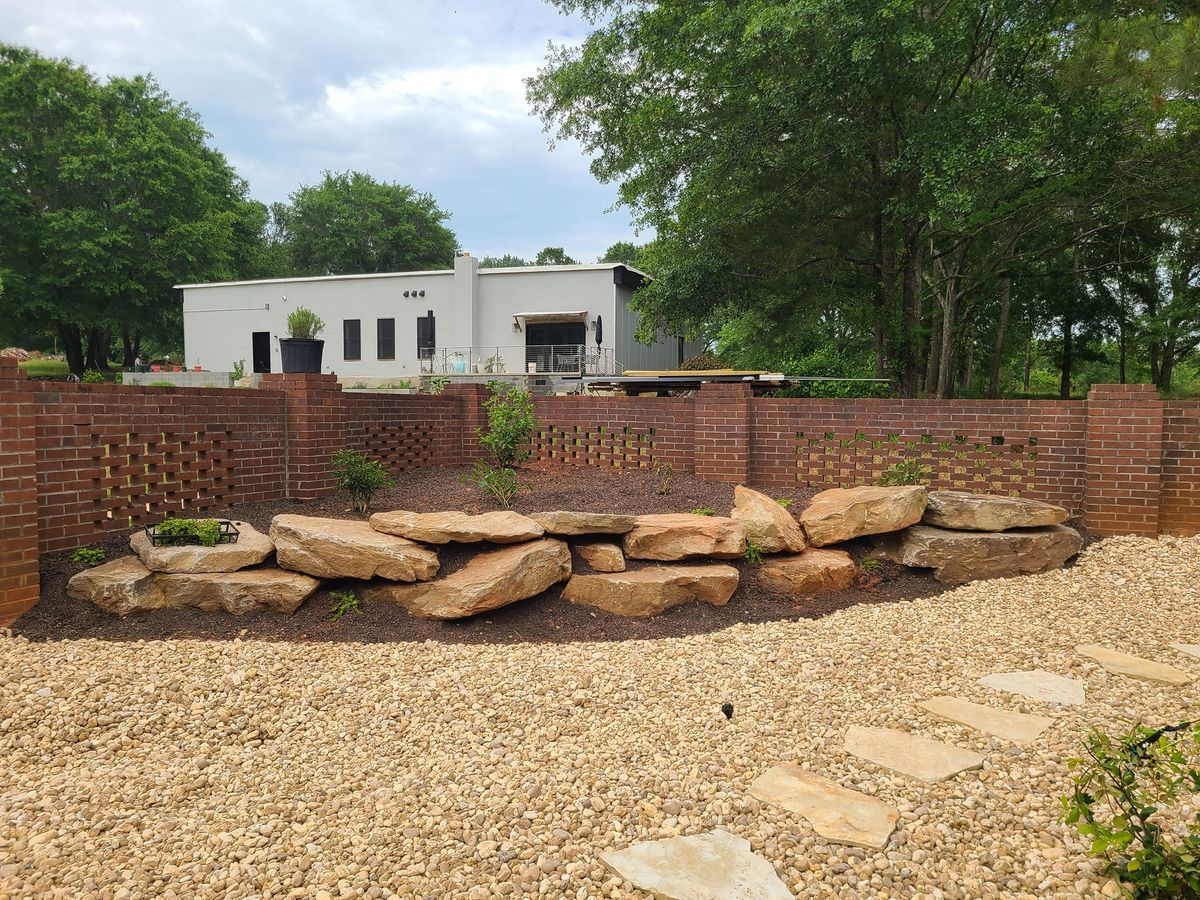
[251, 769]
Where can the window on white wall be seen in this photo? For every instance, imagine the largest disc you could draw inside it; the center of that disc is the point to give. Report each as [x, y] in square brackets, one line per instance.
[386, 339]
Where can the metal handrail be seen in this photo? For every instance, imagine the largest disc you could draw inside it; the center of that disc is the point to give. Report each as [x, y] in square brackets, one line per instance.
[522, 359]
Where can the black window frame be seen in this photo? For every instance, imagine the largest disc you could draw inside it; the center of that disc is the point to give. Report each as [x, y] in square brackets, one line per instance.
[383, 341]
[352, 345]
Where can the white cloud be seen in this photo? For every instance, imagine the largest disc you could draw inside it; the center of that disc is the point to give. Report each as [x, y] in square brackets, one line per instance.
[424, 92]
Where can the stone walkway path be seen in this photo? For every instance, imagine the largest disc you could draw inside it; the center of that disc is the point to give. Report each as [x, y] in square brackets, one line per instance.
[721, 866]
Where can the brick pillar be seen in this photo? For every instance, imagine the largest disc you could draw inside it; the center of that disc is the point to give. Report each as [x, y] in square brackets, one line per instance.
[1124, 459]
[471, 417]
[316, 428]
[18, 493]
[722, 433]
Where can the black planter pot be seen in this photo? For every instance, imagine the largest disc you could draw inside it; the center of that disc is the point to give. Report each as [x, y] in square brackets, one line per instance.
[301, 354]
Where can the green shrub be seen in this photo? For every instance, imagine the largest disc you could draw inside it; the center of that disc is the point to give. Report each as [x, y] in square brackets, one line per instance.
[359, 476]
[754, 553]
[239, 370]
[511, 421]
[909, 471]
[91, 556]
[785, 502]
[499, 481]
[437, 383]
[665, 473]
[396, 386]
[870, 565]
[704, 511]
[302, 322]
[205, 532]
[91, 376]
[701, 362]
[1121, 788]
[357, 386]
[344, 602]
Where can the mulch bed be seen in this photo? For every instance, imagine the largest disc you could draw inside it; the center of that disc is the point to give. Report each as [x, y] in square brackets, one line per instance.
[545, 618]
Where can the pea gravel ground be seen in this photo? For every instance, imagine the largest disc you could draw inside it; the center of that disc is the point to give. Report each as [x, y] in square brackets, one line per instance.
[255, 769]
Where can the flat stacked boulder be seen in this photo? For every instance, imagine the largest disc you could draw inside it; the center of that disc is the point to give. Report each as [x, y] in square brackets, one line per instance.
[573, 524]
[675, 536]
[654, 589]
[238, 593]
[767, 524]
[505, 527]
[490, 580]
[251, 548]
[811, 572]
[961, 556]
[602, 557]
[343, 548]
[964, 511]
[122, 586]
[842, 514]
[126, 586]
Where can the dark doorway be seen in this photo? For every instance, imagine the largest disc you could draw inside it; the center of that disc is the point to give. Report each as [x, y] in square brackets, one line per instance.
[555, 346]
[261, 351]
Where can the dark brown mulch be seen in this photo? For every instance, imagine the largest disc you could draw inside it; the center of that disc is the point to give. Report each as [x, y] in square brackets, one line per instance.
[542, 619]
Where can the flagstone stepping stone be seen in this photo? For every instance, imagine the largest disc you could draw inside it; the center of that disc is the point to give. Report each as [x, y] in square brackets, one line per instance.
[836, 813]
[1037, 684]
[713, 866]
[1189, 649]
[1134, 666]
[1003, 723]
[910, 755]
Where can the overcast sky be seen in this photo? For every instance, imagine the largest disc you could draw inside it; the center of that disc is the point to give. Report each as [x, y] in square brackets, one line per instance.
[422, 92]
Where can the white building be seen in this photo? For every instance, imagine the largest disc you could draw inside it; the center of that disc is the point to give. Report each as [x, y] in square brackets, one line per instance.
[460, 321]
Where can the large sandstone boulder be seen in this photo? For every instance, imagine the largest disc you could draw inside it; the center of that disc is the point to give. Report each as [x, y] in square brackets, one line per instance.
[811, 572]
[125, 586]
[122, 586]
[767, 524]
[341, 548]
[989, 512]
[651, 591]
[505, 527]
[841, 514]
[602, 557]
[252, 547]
[240, 592]
[962, 556]
[573, 524]
[490, 580]
[684, 536]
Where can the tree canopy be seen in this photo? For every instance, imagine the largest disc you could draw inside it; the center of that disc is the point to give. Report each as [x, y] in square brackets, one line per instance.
[922, 187]
[109, 195]
[350, 223]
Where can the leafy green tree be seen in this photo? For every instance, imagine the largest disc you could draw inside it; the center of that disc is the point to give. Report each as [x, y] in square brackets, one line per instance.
[554, 256]
[109, 195]
[350, 223]
[507, 261]
[891, 172]
[623, 252]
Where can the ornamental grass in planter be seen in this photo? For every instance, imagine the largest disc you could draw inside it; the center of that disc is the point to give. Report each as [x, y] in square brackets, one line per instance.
[302, 351]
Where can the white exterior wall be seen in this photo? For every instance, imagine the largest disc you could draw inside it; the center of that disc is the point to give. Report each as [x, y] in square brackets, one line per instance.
[473, 308]
[218, 320]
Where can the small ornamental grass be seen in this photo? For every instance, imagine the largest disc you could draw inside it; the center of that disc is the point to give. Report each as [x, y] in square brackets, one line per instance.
[1122, 787]
[303, 323]
[360, 477]
[704, 511]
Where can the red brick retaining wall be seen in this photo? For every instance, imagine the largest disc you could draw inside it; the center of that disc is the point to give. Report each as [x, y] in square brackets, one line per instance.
[81, 461]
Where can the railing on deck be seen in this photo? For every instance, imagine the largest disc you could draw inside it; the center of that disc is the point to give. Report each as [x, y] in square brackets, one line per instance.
[558, 359]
